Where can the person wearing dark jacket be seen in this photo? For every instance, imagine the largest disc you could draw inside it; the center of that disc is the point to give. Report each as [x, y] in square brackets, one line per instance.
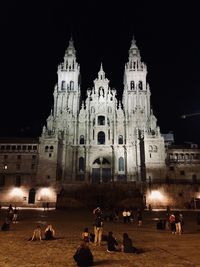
[83, 256]
[111, 242]
[127, 246]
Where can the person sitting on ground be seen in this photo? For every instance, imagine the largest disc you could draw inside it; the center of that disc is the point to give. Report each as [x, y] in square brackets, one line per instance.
[83, 256]
[86, 235]
[6, 225]
[49, 232]
[37, 234]
[111, 242]
[127, 246]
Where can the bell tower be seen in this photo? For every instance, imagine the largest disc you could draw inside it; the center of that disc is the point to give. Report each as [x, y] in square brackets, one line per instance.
[136, 96]
[67, 90]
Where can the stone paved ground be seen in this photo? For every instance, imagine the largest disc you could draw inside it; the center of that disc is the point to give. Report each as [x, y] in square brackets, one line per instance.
[160, 248]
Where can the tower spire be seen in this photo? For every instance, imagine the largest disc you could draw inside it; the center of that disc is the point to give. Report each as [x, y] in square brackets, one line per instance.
[133, 43]
[101, 67]
[101, 73]
[70, 49]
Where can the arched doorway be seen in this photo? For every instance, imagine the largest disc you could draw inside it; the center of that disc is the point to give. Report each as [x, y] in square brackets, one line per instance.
[31, 196]
[101, 171]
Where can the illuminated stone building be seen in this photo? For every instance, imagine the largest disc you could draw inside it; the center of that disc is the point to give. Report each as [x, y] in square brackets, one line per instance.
[96, 141]
[101, 139]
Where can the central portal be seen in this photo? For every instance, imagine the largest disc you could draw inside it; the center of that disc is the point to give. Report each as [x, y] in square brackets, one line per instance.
[101, 171]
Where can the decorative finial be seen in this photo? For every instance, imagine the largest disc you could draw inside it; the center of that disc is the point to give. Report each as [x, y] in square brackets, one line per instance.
[101, 73]
[133, 43]
[101, 68]
[71, 41]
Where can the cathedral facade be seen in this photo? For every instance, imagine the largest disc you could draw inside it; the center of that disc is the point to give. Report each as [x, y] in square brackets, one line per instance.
[101, 139]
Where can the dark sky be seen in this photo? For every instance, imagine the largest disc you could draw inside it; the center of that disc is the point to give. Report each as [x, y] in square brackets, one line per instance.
[34, 37]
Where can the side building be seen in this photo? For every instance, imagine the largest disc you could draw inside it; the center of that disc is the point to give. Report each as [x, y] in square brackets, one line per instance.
[18, 171]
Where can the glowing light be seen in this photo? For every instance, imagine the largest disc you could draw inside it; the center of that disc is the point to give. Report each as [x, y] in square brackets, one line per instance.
[45, 192]
[156, 195]
[17, 192]
[5, 167]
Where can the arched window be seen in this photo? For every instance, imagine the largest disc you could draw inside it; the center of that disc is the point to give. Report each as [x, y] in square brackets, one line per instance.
[132, 85]
[71, 85]
[101, 138]
[81, 164]
[46, 148]
[101, 120]
[82, 140]
[140, 86]
[51, 148]
[93, 122]
[63, 85]
[31, 197]
[120, 140]
[150, 148]
[121, 164]
[155, 149]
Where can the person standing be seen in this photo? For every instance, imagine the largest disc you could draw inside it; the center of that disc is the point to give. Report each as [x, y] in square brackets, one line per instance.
[139, 218]
[10, 212]
[178, 223]
[172, 223]
[124, 215]
[15, 214]
[98, 230]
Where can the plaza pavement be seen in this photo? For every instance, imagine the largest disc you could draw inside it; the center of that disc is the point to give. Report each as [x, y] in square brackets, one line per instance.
[159, 248]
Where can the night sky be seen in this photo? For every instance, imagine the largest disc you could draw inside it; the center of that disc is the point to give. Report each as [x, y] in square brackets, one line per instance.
[34, 37]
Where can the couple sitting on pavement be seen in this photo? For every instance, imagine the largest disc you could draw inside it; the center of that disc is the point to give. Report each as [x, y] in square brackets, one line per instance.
[49, 233]
[127, 245]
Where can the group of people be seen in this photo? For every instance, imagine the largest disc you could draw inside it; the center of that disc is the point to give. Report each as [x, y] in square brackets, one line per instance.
[176, 222]
[129, 217]
[83, 255]
[11, 217]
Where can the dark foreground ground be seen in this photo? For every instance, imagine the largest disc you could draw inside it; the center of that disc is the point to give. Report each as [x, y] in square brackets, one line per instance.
[159, 248]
